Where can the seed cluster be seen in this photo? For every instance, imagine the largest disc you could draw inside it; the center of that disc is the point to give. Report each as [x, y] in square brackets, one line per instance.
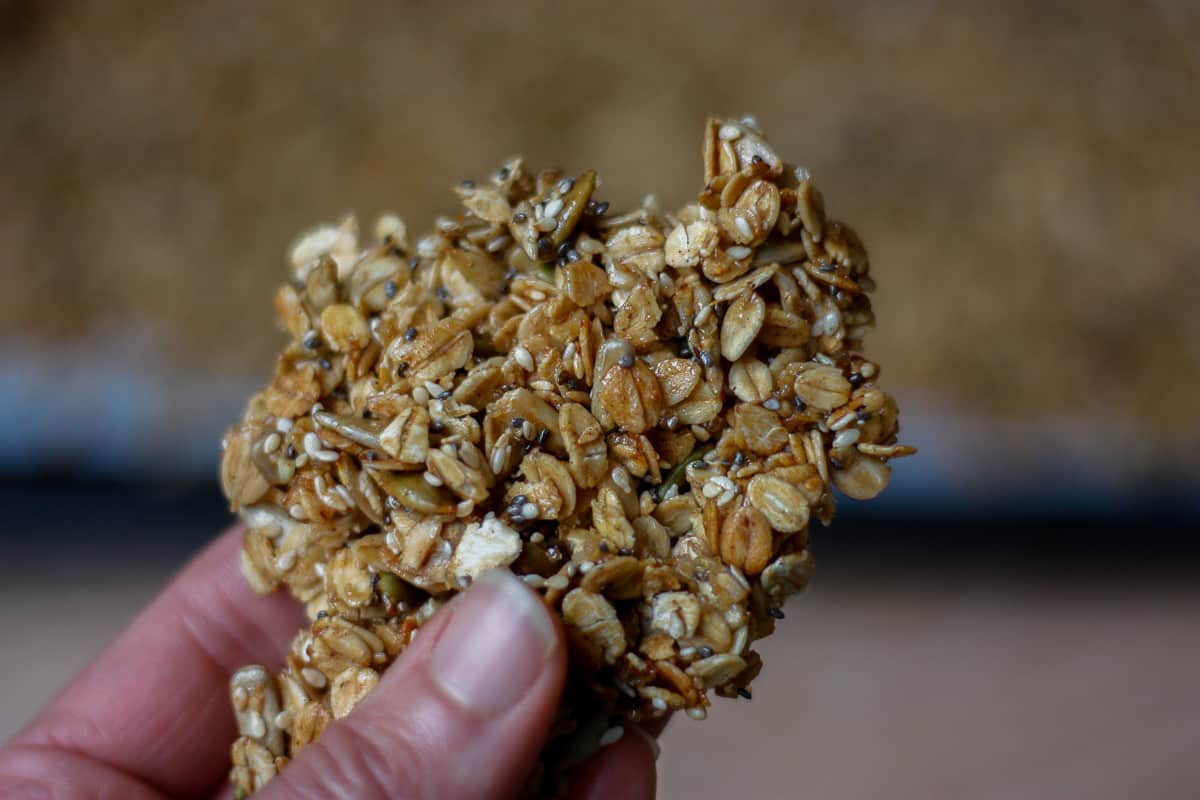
[638, 413]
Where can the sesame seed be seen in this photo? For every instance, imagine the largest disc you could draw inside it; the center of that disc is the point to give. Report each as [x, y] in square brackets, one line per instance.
[566, 185]
[431, 479]
[536, 537]
[611, 736]
[283, 425]
[285, 560]
[558, 582]
[703, 316]
[697, 713]
[743, 227]
[537, 295]
[845, 438]
[272, 442]
[729, 133]
[499, 458]
[739, 252]
[659, 703]
[535, 581]
[771, 404]
[553, 208]
[710, 489]
[841, 422]
[314, 677]
[420, 395]
[523, 358]
[529, 510]
[313, 448]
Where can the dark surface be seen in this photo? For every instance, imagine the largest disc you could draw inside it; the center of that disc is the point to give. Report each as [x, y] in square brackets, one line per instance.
[100, 522]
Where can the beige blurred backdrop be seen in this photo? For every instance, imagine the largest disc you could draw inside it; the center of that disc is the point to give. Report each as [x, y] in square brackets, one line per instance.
[1026, 176]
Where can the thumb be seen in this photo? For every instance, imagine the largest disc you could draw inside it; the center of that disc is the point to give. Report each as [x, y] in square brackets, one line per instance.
[462, 713]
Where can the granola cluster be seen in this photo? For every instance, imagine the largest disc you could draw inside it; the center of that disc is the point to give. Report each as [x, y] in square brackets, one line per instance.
[638, 413]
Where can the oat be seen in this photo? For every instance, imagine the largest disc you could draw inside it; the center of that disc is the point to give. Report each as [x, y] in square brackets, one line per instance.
[638, 413]
[349, 688]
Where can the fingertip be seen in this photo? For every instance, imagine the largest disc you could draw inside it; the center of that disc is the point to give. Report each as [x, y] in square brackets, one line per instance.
[497, 646]
[625, 769]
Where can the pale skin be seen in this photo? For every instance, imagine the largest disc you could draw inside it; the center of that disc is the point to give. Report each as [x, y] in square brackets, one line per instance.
[150, 718]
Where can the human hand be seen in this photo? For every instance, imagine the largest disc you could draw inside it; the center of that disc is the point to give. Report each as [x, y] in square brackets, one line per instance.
[461, 714]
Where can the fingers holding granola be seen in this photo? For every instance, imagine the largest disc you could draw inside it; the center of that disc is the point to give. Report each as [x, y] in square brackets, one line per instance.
[462, 713]
[144, 708]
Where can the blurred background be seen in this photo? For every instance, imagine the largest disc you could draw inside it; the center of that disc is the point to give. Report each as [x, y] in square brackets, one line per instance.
[1018, 615]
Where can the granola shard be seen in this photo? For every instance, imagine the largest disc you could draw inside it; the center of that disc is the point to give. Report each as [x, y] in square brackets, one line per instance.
[638, 413]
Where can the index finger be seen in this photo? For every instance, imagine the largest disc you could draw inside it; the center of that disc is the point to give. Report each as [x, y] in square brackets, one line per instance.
[154, 704]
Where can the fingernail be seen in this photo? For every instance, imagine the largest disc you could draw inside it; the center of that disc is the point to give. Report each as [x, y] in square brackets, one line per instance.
[495, 646]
